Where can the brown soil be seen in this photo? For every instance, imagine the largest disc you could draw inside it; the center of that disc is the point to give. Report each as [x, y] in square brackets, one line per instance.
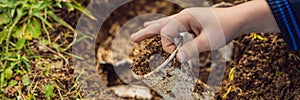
[265, 69]
[119, 17]
[112, 25]
[142, 56]
[61, 71]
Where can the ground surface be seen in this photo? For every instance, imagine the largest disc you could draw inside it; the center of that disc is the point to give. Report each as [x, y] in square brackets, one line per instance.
[264, 68]
[60, 71]
[143, 59]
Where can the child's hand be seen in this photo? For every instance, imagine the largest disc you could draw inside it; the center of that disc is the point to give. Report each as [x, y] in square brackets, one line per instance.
[213, 27]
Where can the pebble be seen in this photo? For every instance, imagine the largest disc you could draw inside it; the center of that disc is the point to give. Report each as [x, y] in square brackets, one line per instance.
[132, 91]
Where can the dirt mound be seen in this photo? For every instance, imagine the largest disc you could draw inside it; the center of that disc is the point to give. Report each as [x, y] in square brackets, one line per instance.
[264, 69]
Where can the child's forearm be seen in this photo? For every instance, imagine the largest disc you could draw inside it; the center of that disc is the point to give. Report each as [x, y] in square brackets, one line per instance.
[256, 16]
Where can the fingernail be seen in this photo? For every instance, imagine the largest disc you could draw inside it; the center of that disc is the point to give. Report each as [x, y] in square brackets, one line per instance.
[181, 56]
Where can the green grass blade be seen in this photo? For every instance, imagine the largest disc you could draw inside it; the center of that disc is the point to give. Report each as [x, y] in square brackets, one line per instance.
[8, 73]
[2, 36]
[49, 91]
[4, 19]
[20, 44]
[42, 5]
[77, 6]
[26, 80]
[33, 29]
[59, 20]
[39, 16]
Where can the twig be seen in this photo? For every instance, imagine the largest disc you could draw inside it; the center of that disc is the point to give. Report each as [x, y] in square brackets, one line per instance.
[58, 53]
[203, 84]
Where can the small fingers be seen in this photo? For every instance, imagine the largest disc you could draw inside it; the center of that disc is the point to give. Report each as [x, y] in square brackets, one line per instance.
[159, 21]
[146, 24]
[151, 29]
[193, 47]
[168, 33]
[163, 20]
[147, 32]
[167, 44]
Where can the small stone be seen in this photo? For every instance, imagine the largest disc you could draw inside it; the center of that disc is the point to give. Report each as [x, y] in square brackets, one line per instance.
[132, 91]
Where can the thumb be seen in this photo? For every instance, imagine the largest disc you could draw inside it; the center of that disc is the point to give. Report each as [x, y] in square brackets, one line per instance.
[192, 48]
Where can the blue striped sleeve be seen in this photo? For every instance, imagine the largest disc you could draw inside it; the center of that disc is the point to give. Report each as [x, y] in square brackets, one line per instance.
[287, 20]
[295, 4]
